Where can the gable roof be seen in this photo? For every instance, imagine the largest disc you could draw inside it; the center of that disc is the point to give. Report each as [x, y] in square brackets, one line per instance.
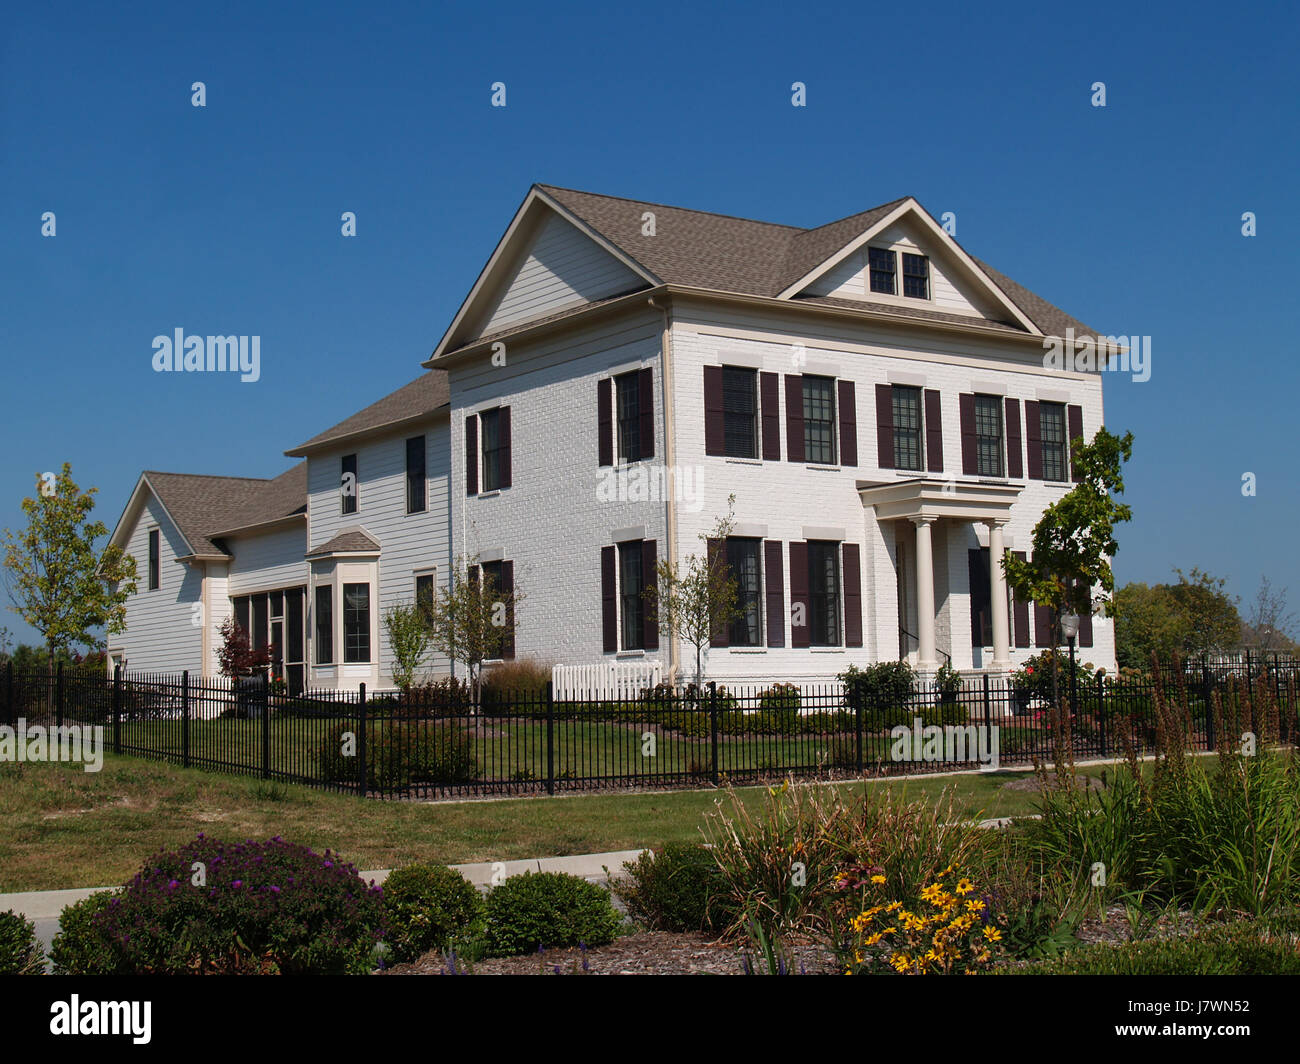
[723, 253]
[349, 541]
[427, 393]
[203, 508]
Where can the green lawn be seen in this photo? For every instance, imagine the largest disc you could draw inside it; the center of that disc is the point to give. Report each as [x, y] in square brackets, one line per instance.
[63, 827]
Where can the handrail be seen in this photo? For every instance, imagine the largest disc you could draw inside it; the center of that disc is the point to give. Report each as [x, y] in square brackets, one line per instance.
[918, 640]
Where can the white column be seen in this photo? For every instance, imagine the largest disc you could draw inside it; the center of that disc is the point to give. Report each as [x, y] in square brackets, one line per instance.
[998, 591]
[924, 593]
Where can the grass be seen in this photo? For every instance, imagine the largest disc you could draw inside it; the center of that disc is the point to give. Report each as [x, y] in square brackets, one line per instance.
[62, 827]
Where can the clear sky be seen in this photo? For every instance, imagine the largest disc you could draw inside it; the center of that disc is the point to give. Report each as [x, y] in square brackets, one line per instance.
[225, 219]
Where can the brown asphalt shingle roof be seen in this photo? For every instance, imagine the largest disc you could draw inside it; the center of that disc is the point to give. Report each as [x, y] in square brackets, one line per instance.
[426, 393]
[205, 506]
[718, 252]
[346, 541]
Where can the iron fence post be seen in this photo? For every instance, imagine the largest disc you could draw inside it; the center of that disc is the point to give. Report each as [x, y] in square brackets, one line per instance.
[713, 731]
[264, 697]
[857, 723]
[361, 739]
[185, 718]
[988, 705]
[1101, 711]
[58, 694]
[117, 709]
[550, 737]
[10, 716]
[1206, 692]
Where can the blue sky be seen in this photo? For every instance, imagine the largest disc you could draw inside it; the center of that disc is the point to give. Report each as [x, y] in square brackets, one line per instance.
[225, 219]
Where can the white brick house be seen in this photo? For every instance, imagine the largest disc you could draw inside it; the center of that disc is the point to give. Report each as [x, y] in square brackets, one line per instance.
[875, 399]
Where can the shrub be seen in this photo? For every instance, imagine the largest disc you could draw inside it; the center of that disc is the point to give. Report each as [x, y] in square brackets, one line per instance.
[548, 909]
[20, 952]
[399, 754]
[83, 946]
[514, 686]
[877, 688]
[428, 907]
[677, 888]
[1035, 676]
[260, 907]
[435, 699]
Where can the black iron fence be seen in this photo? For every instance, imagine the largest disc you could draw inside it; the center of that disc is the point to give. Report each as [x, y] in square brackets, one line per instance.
[433, 742]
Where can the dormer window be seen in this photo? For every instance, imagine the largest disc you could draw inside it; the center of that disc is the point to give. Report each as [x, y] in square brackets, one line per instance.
[916, 276]
[882, 268]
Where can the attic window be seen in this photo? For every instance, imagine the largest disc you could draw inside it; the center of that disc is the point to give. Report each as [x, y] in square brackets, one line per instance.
[916, 276]
[882, 267]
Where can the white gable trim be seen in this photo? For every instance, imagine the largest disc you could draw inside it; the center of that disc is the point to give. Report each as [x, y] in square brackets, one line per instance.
[508, 248]
[131, 517]
[911, 209]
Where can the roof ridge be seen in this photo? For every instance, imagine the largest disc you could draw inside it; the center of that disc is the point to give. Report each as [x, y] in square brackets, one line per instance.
[675, 207]
[869, 210]
[213, 476]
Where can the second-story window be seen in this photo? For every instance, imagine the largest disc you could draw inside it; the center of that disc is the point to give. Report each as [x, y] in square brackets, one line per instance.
[1056, 461]
[490, 426]
[916, 276]
[819, 420]
[154, 567]
[988, 435]
[415, 493]
[907, 427]
[627, 387]
[881, 265]
[740, 411]
[348, 484]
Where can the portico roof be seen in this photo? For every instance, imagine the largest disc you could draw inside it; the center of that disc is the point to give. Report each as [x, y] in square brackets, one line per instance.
[961, 500]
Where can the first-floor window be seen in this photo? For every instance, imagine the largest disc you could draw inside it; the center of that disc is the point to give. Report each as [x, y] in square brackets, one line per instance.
[324, 624]
[742, 560]
[356, 622]
[631, 604]
[824, 585]
[424, 590]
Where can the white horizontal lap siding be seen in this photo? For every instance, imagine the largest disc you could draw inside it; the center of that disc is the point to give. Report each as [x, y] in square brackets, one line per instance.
[268, 561]
[787, 496]
[161, 635]
[550, 522]
[408, 542]
[562, 268]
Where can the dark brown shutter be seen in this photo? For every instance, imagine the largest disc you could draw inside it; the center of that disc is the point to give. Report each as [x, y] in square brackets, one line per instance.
[800, 634]
[714, 418]
[848, 424]
[646, 405]
[507, 589]
[969, 442]
[933, 432]
[769, 385]
[471, 455]
[794, 418]
[852, 596]
[884, 426]
[716, 549]
[649, 579]
[503, 454]
[978, 576]
[1033, 440]
[1020, 610]
[1015, 462]
[774, 588]
[608, 600]
[1042, 626]
[1074, 418]
[605, 420]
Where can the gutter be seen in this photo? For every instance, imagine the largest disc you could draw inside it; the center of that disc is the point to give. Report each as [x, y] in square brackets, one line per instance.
[670, 502]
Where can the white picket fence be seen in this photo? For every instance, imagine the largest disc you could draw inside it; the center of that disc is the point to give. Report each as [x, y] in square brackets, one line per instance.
[619, 681]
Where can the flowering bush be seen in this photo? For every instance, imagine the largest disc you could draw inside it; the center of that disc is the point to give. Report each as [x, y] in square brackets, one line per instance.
[951, 931]
[20, 950]
[253, 907]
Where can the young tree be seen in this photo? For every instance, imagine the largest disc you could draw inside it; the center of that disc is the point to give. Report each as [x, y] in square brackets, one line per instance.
[56, 579]
[407, 625]
[1269, 622]
[472, 618]
[1074, 540]
[237, 656]
[697, 600]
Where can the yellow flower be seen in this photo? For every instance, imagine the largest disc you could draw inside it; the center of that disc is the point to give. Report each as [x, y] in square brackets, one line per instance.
[964, 886]
[974, 906]
[877, 879]
[992, 934]
[872, 939]
[933, 891]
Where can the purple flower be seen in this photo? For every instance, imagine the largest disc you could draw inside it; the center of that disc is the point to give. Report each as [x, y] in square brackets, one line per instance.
[237, 883]
[172, 885]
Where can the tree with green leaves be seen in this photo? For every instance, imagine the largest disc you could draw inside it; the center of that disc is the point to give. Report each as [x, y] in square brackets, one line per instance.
[695, 601]
[408, 628]
[56, 578]
[1192, 617]
[1074, 540]
[471, 619]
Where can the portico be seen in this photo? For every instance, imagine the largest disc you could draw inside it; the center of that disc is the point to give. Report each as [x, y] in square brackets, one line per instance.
[923, 502]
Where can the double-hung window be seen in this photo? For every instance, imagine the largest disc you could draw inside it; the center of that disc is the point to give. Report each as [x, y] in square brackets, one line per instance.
[824, 588]
[988, 436]
[907, 427]
[627, 395]
[743, 561]
[882, 267]
[916, 276]
[631, 602]
[348, 484]
[1056, 457]
[819, 420]
[415, 471]
[740, 412]
[154, 566]
[356, 622]
[324, 624]
[490, 426]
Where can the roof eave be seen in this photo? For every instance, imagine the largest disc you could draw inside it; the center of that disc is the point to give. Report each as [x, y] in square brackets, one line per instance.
[259, 526]
[306, 450]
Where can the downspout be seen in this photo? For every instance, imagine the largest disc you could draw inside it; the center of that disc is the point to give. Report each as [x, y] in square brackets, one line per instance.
[670, 502]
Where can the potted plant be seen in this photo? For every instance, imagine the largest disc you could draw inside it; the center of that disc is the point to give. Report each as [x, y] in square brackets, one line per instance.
[947, 682]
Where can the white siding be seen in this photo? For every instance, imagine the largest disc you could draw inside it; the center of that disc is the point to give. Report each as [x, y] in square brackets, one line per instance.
[267, 562]
[161, 634]
[562, 268]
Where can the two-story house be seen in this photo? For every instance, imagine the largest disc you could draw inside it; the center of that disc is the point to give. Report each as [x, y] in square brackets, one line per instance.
[876, 401]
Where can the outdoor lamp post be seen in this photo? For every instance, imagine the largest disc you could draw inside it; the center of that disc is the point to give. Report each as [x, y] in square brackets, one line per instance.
[1070, 629]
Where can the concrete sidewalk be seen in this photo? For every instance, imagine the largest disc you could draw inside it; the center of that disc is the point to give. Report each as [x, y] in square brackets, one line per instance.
[43, 907]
